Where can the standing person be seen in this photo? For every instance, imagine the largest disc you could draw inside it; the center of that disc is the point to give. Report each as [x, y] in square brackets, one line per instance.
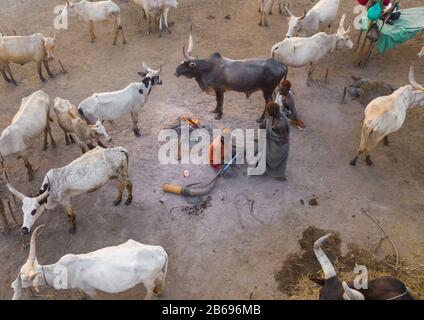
[287, 105]
[277, 141]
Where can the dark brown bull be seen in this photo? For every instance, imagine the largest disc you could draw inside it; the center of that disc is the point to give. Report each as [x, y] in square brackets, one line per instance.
[219, 75]
[332, 288]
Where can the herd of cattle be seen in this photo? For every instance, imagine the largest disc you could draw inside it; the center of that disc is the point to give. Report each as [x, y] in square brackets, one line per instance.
[116, 269]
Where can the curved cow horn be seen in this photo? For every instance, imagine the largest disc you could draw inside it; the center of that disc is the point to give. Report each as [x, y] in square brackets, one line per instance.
[32, 248]
[412, 80]
[190, 43]
[342, 20]
[42, 196]
[160, 69]
[286, 7]
[18, 290]
[146, 67]
[351, 294]
[186, 55]
[15, 192]
[325, 263]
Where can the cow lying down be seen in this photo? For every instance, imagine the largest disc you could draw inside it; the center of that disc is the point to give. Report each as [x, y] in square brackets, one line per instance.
[85, 174]
[112, 269]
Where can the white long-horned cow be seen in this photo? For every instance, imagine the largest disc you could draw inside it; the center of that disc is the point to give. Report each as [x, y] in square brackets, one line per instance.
[386, 115]
[114, 105]
[85, 174]
[112, 269]
[99, 11]
[298, 52]
[324, 13]
[32, 118]
[156, 12]
[76, 129]
[24, 49]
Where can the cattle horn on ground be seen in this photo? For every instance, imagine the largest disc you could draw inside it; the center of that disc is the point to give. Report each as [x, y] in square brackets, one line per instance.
[351, 294]
[412, 80]
[15, 192]
[325, 263]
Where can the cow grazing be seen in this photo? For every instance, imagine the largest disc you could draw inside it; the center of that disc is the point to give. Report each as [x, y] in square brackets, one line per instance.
[114, 105]
[99, 11]
[156, 12]
[217, 75]
[32, 118]
[332, 288]
[85, 174]
[298, 52]
[76, 129]
[386, 115]
[421, 53]
[112, 269]
[24, 49]
[364, 91]
[323, 13]
[265, 7]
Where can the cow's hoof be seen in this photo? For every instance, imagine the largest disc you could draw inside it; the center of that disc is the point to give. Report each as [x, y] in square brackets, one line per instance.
[117, 202]
[368, 161]
[68, 143]
[52, 75]
[124, 42]
[353, 163]
[15, 83]
[73, 230]
[259, 120]
[169, 31]
[43, 80]
[45, 148]
[54, 145]
[218, 116]
[128, 202]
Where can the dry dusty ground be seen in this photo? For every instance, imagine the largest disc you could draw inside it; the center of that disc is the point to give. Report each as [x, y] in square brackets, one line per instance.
[224, 252]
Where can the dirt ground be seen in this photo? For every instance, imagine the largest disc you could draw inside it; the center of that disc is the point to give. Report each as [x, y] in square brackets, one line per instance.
[223, 252]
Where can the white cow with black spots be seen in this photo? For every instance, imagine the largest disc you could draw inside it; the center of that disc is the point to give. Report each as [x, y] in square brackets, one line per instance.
[114, 105]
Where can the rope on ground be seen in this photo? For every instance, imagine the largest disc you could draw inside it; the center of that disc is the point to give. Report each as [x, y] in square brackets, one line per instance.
[251, 205]
[386, 236]
[318, 82]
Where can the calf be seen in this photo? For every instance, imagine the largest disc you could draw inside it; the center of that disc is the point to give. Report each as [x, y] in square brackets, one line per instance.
[24, 49]
[156, 12]
[99, 11]
[86, 174]
[114, 105]
[112, 269]
[76, 129]
[323, 13]
[386, 115]
[382, 288]
[299, 52]
[217, 75]
[29, 122]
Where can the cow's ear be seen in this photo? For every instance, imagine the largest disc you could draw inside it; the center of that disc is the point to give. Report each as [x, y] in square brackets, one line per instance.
[318, 281]
[142, 74]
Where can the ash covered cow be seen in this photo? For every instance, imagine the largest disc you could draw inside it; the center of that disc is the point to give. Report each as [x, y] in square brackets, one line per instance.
[386, 115]
[113, 269]
[298, 52]
[217, 75]
[24, 49]
[86, 174]
[32, 118]
[76, 129]
[129, 101]
[332, 288]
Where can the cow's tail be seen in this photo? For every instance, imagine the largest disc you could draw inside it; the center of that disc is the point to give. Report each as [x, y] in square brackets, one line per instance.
[372, 130]
[165, 271]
